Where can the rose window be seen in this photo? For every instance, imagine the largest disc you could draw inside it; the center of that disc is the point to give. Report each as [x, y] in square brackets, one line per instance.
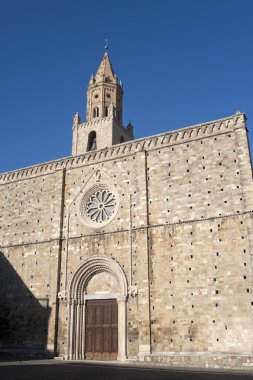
[99, 205]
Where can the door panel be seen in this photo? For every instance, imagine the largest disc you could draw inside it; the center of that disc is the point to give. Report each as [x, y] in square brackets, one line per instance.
[101, 330]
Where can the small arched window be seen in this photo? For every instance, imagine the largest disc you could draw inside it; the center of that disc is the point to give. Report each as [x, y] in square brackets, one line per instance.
[106, 111]
[92, 141]
[96, 112]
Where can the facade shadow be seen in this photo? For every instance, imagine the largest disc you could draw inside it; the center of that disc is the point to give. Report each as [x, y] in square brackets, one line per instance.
[23, 318]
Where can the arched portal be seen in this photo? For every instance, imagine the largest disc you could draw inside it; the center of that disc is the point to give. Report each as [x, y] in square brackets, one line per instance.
[98, 278]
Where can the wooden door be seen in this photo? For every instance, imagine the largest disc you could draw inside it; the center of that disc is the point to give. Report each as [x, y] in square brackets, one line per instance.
[101, 329]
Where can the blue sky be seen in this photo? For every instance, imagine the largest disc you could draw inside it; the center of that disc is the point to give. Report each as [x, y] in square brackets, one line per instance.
[182, 62]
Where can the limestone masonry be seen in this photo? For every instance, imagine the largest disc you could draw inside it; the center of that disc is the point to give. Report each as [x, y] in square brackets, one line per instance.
[136, 250]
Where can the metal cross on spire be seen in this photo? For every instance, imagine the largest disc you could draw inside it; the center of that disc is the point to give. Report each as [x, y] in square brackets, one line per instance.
[106, 44]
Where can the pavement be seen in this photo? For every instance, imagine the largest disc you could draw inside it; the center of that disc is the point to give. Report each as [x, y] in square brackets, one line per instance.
[93, 370]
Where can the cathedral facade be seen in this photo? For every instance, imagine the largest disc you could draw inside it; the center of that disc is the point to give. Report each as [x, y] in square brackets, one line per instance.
[137, 250]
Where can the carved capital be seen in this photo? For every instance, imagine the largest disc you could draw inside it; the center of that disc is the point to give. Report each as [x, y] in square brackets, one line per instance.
[63, 295]
[132, 291]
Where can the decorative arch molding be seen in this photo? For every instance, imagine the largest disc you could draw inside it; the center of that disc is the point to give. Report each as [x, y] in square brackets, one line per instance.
[77, 296]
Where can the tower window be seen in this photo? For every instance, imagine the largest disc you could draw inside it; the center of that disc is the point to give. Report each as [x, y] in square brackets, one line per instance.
[96, 112]
[106, 111]
[122, 139]
[92, 141]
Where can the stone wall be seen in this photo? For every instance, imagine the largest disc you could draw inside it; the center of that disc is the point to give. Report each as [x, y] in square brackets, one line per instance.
[108, 133]
[30, 243]
[181, 234]
[201, 286]
[103, 129]
[200, 360]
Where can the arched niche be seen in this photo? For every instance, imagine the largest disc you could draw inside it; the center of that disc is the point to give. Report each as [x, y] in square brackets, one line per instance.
[99, 277]
[95, 112]
[92, 141]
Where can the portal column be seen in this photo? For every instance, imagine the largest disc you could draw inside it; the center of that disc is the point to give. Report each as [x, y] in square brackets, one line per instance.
[121, 300]
[83, 331]
[77, 343]
[70, 329]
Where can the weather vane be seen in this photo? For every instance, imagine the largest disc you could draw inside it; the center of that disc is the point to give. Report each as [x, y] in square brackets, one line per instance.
[106, 44]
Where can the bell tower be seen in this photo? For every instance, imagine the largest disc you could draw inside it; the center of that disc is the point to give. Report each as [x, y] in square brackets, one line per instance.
[104, 90]
[104, 112]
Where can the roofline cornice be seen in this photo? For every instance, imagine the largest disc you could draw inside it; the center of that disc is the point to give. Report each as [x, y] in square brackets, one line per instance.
[174, 137]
